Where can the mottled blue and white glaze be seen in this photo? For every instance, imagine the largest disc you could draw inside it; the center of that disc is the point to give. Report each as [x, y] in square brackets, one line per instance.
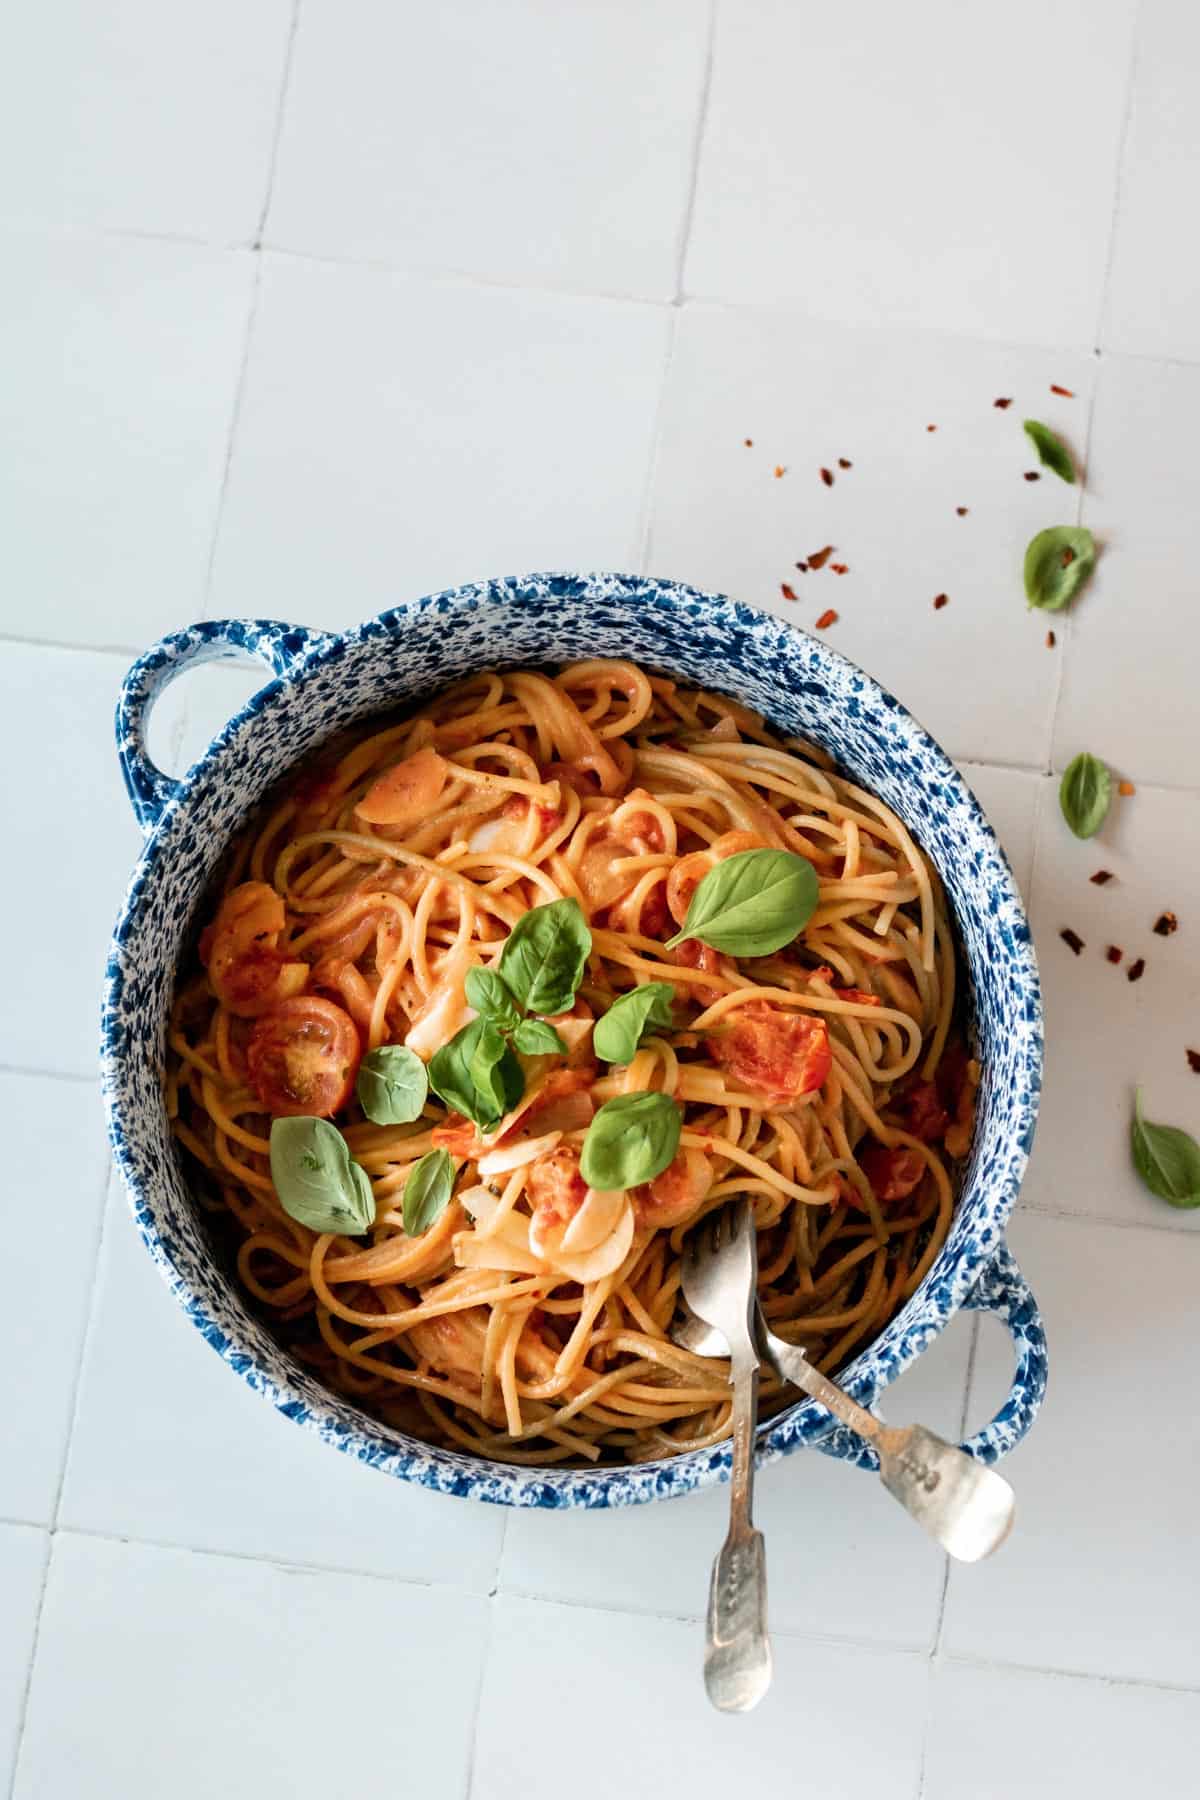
[323, 683]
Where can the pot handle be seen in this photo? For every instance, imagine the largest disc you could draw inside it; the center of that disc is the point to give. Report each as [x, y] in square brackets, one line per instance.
[1003, 1290]
[281, 647]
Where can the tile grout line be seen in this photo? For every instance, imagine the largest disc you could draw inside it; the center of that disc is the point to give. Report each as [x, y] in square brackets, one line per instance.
[698, 134]
[477, 1707]
[1119, 171]
[73, 1414]
[256, 247]
[645, 527]
[1048, 1671]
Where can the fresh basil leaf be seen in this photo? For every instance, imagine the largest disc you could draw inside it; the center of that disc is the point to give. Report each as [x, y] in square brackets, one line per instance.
[752, 904]
[490, 997]
[427, 1191]
[495, 1071]
[1085, 794]
[1167, 1159]
[1052, 452]
[544, 956]
[641, 1010]
[452, 1073]
[317, 1182]
[631, 1139]
[533, 1037]
[1057, 563]
[392, 1085]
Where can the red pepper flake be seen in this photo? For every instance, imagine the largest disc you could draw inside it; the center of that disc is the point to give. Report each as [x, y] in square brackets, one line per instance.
[1193, 1057]
[803, 567]
[787, 592]
[1051, 640]
[779, 471]
[940, 600]
[961, 511]
[1165, 924]
[827, 618]
[1032, 475]
[931, 428]
[840, 568]
[749, 443]
[819, 558]
[1065, 392]
[1002, 403]
[1101, 878]
[1113, 954]
[827, 477]
[1068, 556]
[1126, 789]
[1072, 940]
[844, 463]
[1136, 970]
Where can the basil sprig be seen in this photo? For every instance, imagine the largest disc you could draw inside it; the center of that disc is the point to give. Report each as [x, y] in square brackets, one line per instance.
[477, 1073]
[1085, 794]
[1167, 1159]
[1052, 452]
[627, 1021]
[631, 1139]
[544, 957]
[392, 1085]
[427, 1191]
[752, 904]
[1057, 563]
[539, 970]
[316, 1179]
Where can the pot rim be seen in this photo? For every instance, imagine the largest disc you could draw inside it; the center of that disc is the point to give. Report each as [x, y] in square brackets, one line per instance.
[944, 1288]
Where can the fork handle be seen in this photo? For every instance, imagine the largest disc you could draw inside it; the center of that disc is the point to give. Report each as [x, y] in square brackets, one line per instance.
[795, 1367]
[737, 1657]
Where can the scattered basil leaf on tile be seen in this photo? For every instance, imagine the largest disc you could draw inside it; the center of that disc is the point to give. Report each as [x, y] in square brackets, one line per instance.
[752, 904]
[1052, 452]
[1057, 563]
[544, 956]
[631, 1139]
[643, 1009]
[1167, 1159]
[533, 1037]
[1085, 794]
[317, 1181]
[490, 997]
[452, 1074]
[427, 1191]
[392, 1085]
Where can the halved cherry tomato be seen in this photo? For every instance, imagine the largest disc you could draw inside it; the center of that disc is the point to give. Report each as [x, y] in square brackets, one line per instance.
[556, 1190]
[248, 971]
[303, 1058]
[673, 1196]
[692, 954]
[406, 791]
[921, 1112]
[783, 1055]
[893, 1174]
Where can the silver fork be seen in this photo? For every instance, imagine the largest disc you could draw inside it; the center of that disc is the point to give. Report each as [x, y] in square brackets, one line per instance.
[720, 1266]
[967, 1508]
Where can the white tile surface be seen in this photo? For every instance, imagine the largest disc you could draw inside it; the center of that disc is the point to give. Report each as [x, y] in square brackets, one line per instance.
[140, 116]
[1154, 294]
[642, 1677]
[1129, 686]
[844, 1561]
[890, 165]
[48, 1276]
[1059, 1736]
[118, 362]
[807, 394]
[241, 1678]
[401, 435]
[1102, 1571]
[56, 711]
[1105, 1034]
[527, 142]
[22, 1564]
[175, 1448]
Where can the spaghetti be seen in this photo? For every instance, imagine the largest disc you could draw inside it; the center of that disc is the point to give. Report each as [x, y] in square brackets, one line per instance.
[531, 1322]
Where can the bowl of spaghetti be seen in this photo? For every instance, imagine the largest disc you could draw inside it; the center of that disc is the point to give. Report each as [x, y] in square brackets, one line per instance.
[495, 942]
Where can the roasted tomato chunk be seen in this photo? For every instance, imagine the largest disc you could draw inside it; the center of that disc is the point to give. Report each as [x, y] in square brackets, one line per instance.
[303, 1058]
[783, 1055]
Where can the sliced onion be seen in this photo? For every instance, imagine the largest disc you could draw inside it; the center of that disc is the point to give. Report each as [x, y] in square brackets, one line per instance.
[514, 1156]
[596, 1219]
[593, 1265]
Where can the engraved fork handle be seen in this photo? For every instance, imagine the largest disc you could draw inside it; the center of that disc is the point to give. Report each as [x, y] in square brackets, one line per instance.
[737, 1656]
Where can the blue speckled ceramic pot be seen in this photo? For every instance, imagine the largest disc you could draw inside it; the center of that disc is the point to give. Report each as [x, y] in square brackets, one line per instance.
[323, 683]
